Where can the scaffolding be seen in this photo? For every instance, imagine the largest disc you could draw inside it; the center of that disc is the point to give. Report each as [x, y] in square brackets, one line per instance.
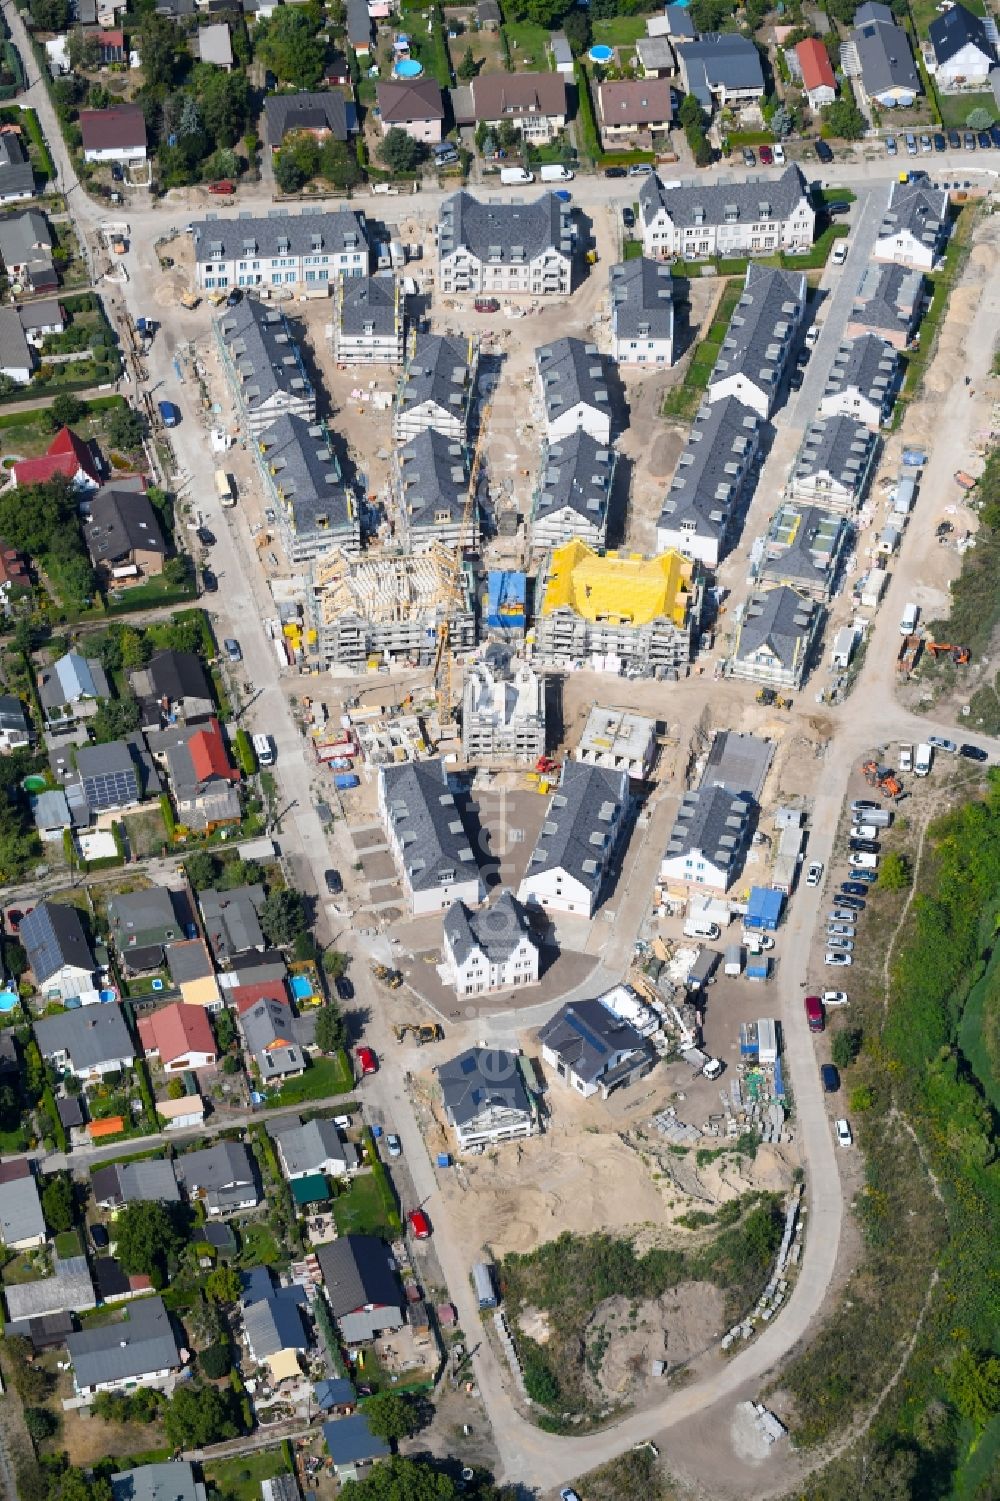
[391, 606]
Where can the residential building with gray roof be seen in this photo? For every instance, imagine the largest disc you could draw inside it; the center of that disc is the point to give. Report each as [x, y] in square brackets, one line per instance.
[834, 464]
[16, 358]
[427, 837]
[172, 1480]
[491, 949]
[315, 510]
[305, 250]
[430, 491]
[642, 312]
[485, 1098]
[22, 1223]
[862, 381]
[712, 483]
[72, 689]
[151, 1180]
[369, 321]
[593, 1051]
[889, 302]
[271, 1034]
[573, 492]
[721, 69]
[141, 922]
[140, 1349]
[89, 1042]
[70, 1289]
[708, 841]
[505, 249]
[577, 846]
[111, 776]
[232, 921]
[223, 1176]
[58, 951]
[914, 227]
[758, 216]
[362, 1286]
[574, 390]
[263, 364]
[17, 179]
[123, 534]
[877, 56]
[776, 637]
[323, 115]
[804, 546]
[755, 352]
[316, 1146]
[437, 387]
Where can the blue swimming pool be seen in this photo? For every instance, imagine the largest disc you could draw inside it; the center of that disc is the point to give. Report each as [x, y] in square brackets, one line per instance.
[407, 67]
[8, 1000]
[601, 54]
[301, 987]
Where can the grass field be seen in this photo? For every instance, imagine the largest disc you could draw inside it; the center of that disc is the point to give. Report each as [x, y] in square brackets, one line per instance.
[257, 1244]
[956, 108]
[619, 31]
[323, 1077]
[360, 1210]
[239, 1479]
[527, 43]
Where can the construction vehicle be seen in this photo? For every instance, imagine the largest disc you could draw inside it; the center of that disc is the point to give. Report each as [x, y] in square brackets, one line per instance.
[190, 299]
[882, 778]
[965, 480]
[908, 655]
[422, 1032]
[958, 654]
[771, 699]
[390, 977]
[547, 767]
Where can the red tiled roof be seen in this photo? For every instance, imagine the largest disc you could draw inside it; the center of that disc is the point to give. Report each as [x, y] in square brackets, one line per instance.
[112, 1126]
[10, 1172]
[111, 38]
[176, 1031]
[67, 455]
[12, 569]
[246, 996]
[208, 755]
[814, 60]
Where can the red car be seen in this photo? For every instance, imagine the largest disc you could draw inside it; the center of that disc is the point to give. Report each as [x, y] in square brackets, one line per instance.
[766, 156]
[367, 1062]
[419, 1224]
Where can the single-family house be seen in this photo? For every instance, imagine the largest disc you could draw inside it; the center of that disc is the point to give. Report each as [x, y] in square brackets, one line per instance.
[818, 81]
[232, 921]
[352, 1446]
[46, 315]
[642, 312]
[179, 1036]
[708, 841]
[722, 70]
[123, 535]
[411, 105]
[491, 949]
[192, 971]
[15, 726]
[58, 951]
[273, 1326]
[878, 55]
[271, 1036]
[173, 686]
[52, 815]
[427, 838]
[573, 390]
[485, 1098]
[146, 1181]
[862, 382]
[16, 358]
[578, 846]
[172, 1480]
[325, 116]
[72, 689]
[963, 50]
[14, 577]
[67, 457]
[26, 251]
[138, 1350]
[359, 27]
[592, 1050]
[630, 107]
[656, 57]
[776, 637]
[115, 134]
[223, 1176]
[362, 1286]
[534, 103]
[215, 46]
[22, 1223]
[914, 226]
[111, 775]
[89, 1042]
[17, 179]
[316, 1146]
[141, 923]
[202, 778]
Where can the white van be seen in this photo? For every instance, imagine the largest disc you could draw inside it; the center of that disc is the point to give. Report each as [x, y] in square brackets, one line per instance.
[512, 176]
[863, 860]
[263, 749]
[924, 759]
[700, 927]
[908, 620]
[555, 173]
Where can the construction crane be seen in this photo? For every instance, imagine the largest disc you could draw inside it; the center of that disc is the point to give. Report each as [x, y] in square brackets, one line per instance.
[442, 677]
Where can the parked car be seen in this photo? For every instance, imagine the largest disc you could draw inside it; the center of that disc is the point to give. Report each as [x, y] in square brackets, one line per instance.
[853, 888]
[815, 873]
[861, 874]
[796, 379]
[393, 1146]
[839, 944]
[209, 582]
[766, 156]
[854, 904]
[836, 959]
[911, 143]
[861, 803]
[940, 743]
[925, 143]
[334, 884]
[344, 988]
[995, 134]
[824, 152]
[367, 1062]
[615, 172]
[749, 160]
[568, 1494]
[973, 753]
[954, 140]
[838, 208]
[939, 141]
[864, 846]
[233, 649]
[863, 860]
[844, 1137]
[628, 218]
[835, 998]
[864, 830]
[969, 141]
[814, 1013]
[779, 155]
[420, 1225]
[841, 920]
[983, 139]
[890, 145]
[830, 1076]
[639, 169]
[205, 537]
[839, 930]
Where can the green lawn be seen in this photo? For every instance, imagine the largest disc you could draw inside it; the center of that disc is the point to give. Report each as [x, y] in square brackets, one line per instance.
[527, 43]
[14, 1140]
[956, 108]
[258, 1245]
[323, 1077]
[239, 1479]
[360, 1210]
[619, 31]
[68, 1244]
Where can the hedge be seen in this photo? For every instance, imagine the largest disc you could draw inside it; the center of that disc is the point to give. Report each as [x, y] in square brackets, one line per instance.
[243, 746]
[382, 1182]
[146, 1091]
[167, 814]
[52, 1111]
[585, 107]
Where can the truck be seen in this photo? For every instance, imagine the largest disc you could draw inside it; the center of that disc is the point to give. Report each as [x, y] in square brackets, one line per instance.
[169, 415]
[224, 487]
[733, 960]
[701, 1062]
[190, 299]
[513, 176]
[924, 759]
[556, 174]
[485, 1286]
[905, 757]
[909, 651]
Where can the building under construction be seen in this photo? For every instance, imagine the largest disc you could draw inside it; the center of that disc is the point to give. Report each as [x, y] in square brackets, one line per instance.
[503, 713]
[618, 613]
[391, 609]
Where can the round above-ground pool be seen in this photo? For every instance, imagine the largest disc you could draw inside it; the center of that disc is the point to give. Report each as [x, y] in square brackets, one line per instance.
[407, 67]
[8, 1001]
[600, 53]
[109, 995]
[34, 783]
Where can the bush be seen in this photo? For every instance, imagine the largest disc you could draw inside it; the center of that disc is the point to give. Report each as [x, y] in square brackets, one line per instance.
[846, 1046]
[217, 1361]
[243, 746]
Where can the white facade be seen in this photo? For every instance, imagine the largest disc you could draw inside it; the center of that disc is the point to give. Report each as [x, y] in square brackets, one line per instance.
[503, 717]
[481, 974]
[581, 417]
[906, 249]
[717, 226]
[462, 270]
[424, 831]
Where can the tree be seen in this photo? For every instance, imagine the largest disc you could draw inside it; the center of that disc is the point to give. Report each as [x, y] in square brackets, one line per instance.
[201, 869]
[843, 119]
[200, 1415]
[57, 1201]
[15, 959]
[700, 148]
[979, 119]
[10, 1107]
[146, 1235]
[115, 718]
[975, 1386]
[50, 15]
[175, 1089]
[178, 569]
[30, 517]
[390, 1415]
[225, 1030]
[894, 873]
[468, 67]
[283, 916]
[398, 1479]
[862, 1098]
[73, 1484]
[136, 647]
[66, 409]
[41, 1422]
[124, 428]
[224, 1284]
[217, 1360]
[34, 1072]
[331, 1034]
[287, 44]
[298, 161]
[846, 1046]
[159, 39]
[400, 152]
[579, 33]
[224, 99]
[690, 112]
[335, 963]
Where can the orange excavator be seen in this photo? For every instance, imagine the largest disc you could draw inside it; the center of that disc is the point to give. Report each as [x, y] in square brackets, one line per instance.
[958, 654]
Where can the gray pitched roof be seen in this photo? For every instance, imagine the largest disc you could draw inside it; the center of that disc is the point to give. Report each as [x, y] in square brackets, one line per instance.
[25, 238]
[188, 960]
[888, 297]
[571, 371]
[275, 1323]
[264, 353]
[304, 1146]
[270, 1033]
[427, 824]
[496, 930]
[839, 446]
[141, 1343]
[307, 474]
[21, 1215]
[174, 675]
[433, 478]
[16, 175]
[232, 923]
[359, 26]
[109, 773]
[369, 301]
[883, 52]
[132, 914]
[867, 365]
[959, 28]
[915, 208]
[53, 935]
[350, 1441]
[146, 1181]
[13, 715]
[170, 1481]
[284, 113]
[505, 233]
[90, 1036]
[358, 1269]
[339, 232]
[712, 820]
[576, 473]
[14, 351]
[576, 831]
[712, 467]
[216, 1167]
[215, 45]
[479, 1078]
[642, 299]
[804, 543]
[760, 332]
[717, 60]
[121, 521]
[712, 202]
[68, 1290]
[781, 620]
[438, 371]
[40, 313]
[586, 1034]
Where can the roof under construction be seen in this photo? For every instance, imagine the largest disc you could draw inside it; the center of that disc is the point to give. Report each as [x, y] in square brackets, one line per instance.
[429, 586]
[627, 588]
